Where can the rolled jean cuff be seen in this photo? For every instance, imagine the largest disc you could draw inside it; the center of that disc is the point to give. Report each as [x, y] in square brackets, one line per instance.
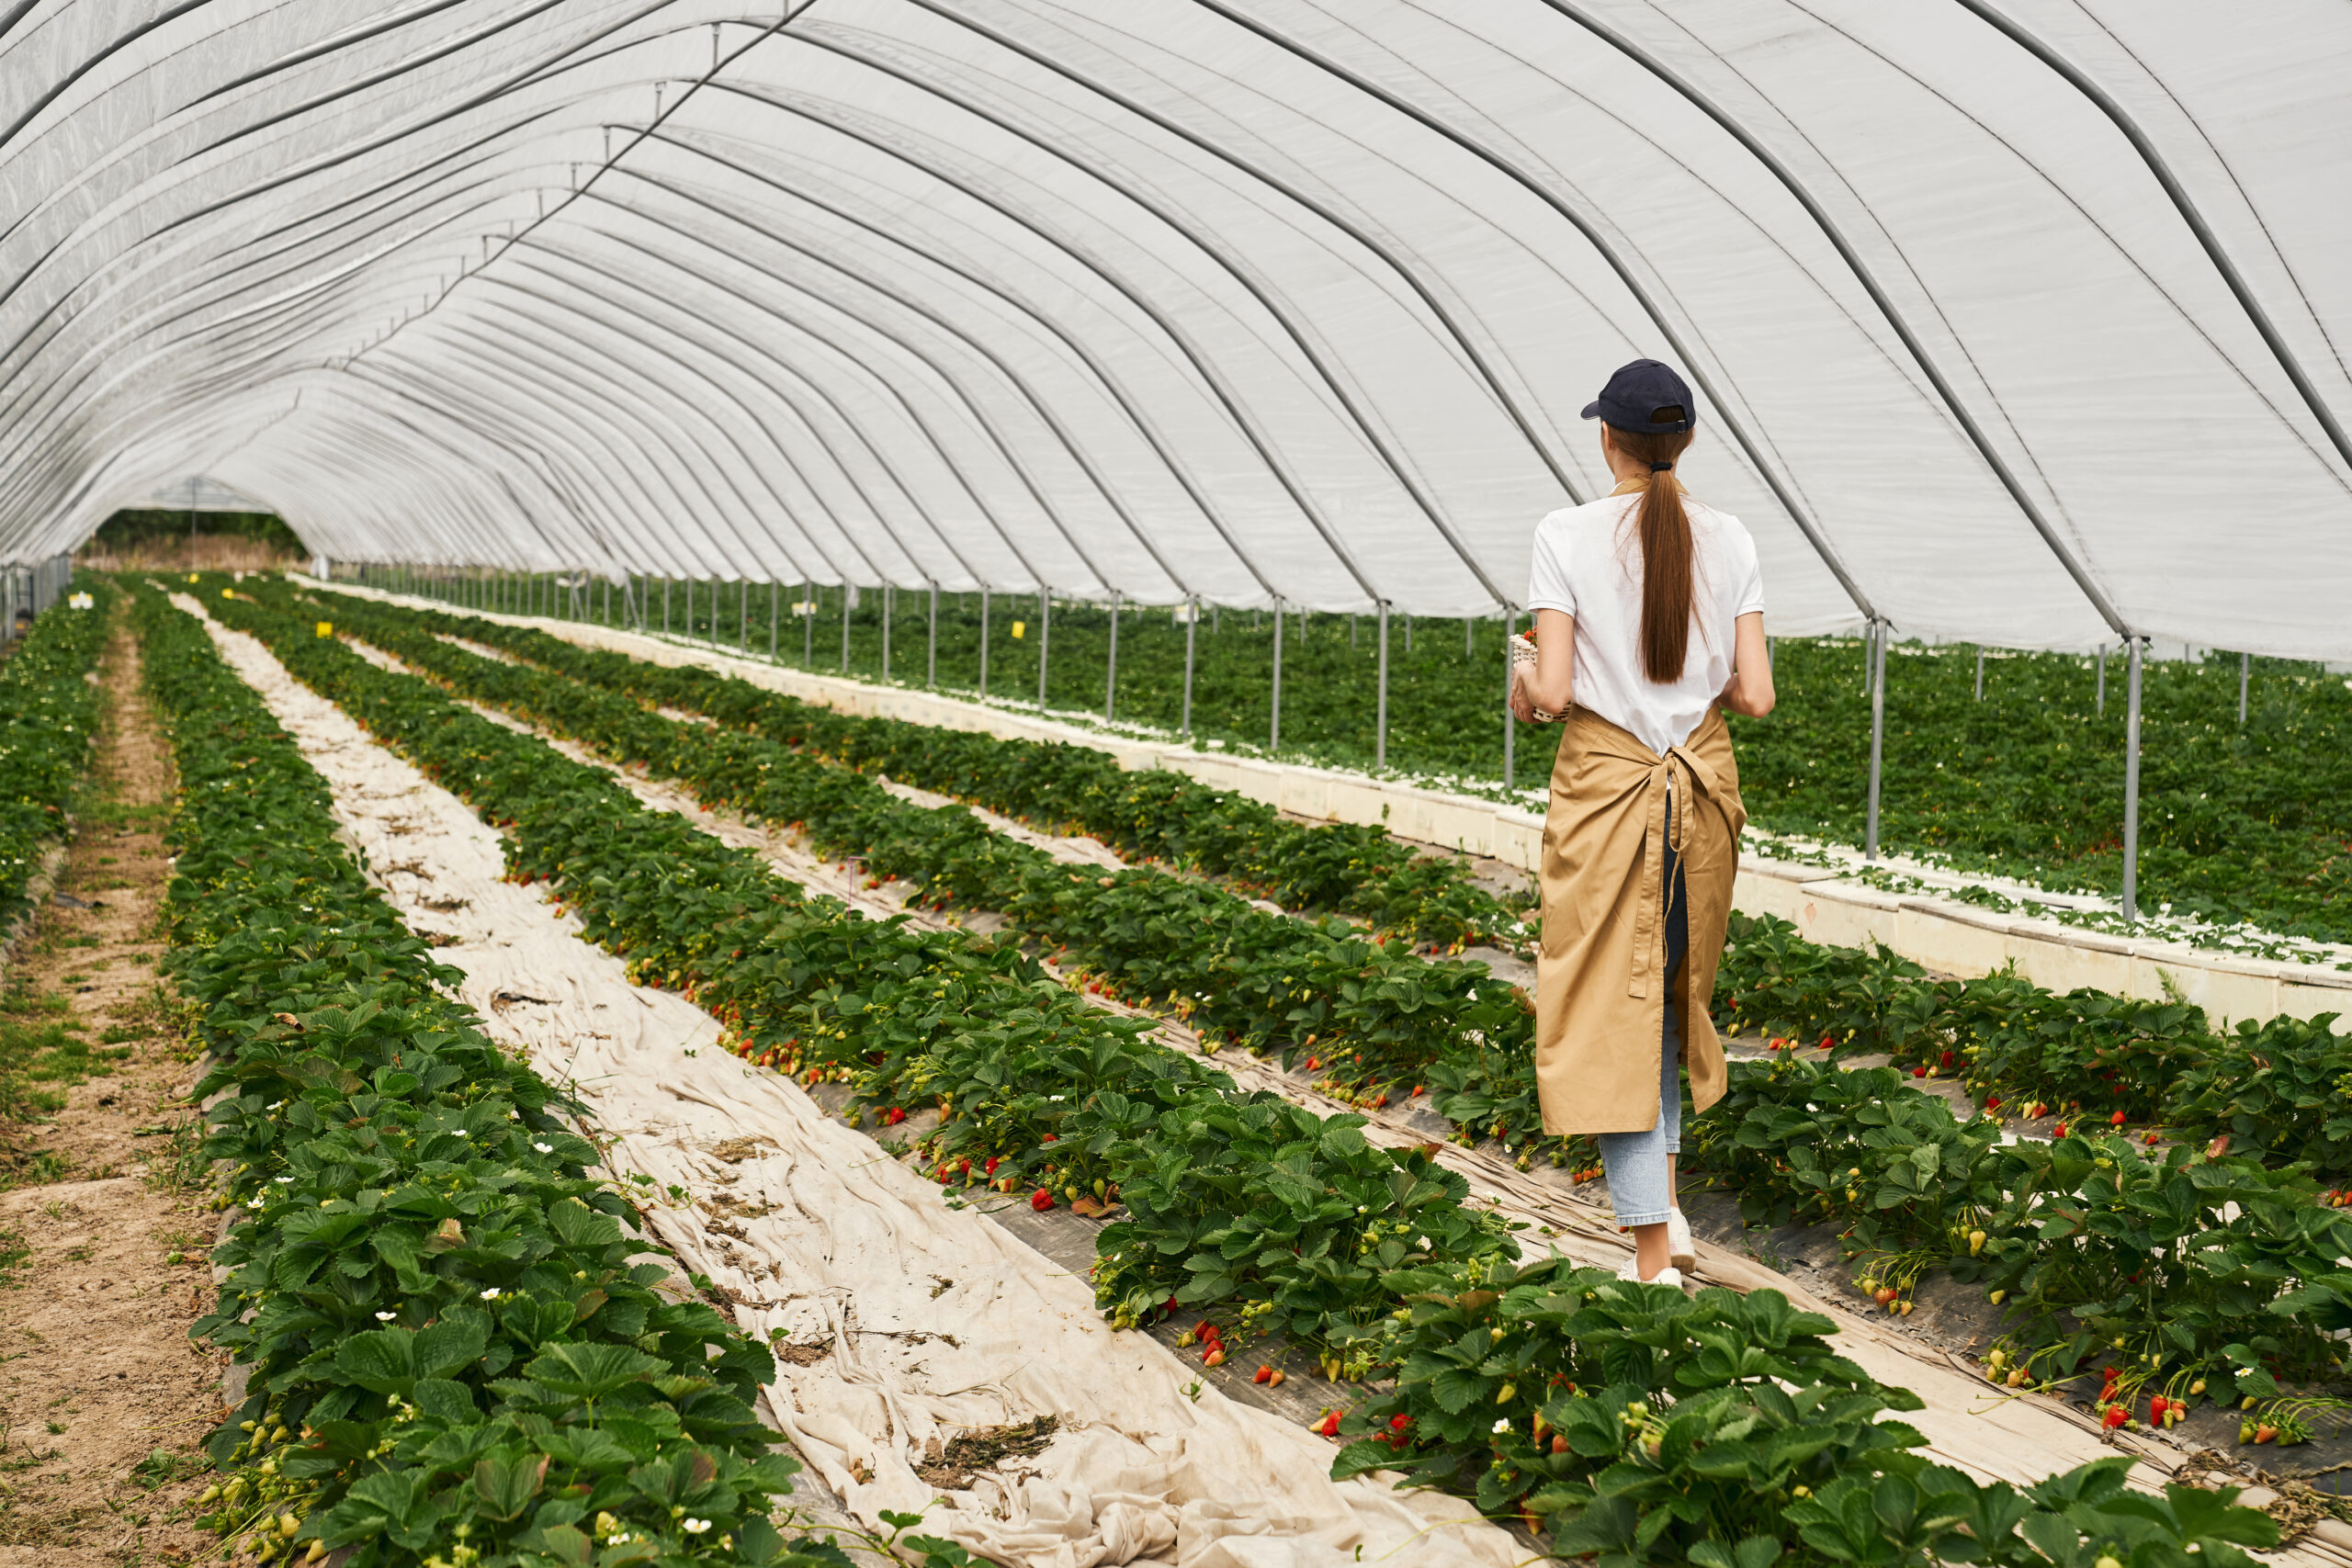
[1657, 1219]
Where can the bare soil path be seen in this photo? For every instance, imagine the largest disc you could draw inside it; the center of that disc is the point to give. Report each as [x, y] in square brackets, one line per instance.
[104, 1218]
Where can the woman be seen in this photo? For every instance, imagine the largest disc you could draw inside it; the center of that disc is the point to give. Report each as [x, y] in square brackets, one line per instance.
[1649, 621]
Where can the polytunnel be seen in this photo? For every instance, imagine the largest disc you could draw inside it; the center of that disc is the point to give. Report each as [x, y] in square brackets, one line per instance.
[2016, 323]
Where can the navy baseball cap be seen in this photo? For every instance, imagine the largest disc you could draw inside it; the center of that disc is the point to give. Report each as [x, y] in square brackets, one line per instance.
[1645, 398]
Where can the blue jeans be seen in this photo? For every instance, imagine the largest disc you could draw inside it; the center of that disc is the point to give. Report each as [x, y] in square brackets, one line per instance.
[1635, 1162]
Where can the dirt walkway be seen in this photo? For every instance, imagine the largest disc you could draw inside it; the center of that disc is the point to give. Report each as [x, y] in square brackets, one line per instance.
[103, 1229]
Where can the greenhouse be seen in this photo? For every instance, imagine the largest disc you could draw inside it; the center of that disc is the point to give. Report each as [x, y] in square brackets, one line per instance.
[776, 789]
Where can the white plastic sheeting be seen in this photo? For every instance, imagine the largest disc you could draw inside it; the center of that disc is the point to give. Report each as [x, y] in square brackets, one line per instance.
[2022, 322]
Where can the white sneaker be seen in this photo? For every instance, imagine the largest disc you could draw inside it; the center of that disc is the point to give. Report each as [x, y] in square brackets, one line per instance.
[1670, 1275]
[1679, 1249]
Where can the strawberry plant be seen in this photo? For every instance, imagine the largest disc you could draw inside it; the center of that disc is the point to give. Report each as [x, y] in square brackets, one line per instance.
[1640, 1424]
[1152, 816]
[451, 1357]
[48, 718]
[1039, 1092]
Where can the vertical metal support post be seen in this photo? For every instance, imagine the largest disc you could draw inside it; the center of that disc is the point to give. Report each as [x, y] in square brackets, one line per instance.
[888, 597]
[2102, 679]
[984, 642]
[1980, 674]
[2131, 788]
[931, 658]
[665, 604]
[1878, 737]
[1510, 720]
[845, 593]
[1111, 672]
[1380, 708]
[1408, 631]
[690, 607]
[743, 615]
[775, 590]
[1274, 728]
[2245, 670]
[1191, 626]
[809, 626]
[1045, 610]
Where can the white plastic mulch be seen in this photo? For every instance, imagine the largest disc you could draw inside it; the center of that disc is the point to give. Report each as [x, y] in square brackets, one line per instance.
[918, 1321]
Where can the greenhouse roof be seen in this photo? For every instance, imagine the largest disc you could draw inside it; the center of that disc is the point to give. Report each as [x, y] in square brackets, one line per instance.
[2020, 322]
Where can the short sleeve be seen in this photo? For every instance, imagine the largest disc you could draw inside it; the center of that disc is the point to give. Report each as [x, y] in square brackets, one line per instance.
[1548, 587]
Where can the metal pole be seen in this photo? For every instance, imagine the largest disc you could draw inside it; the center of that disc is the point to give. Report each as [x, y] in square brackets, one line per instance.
[1511, 720]
[931, 661]
[743, 615]
[1980, 674]
[2245, 669]
[1044, 610]
[690, 607]
[1878, 737]
[886, 597]
[1111, 676]
[776, 590]
[808, 626]
[2102, 679]
[846, 590]
[984, 642]
[665, 604]
[1274, 729]
[1192, 626]
[2131, 789]
[1380, 712]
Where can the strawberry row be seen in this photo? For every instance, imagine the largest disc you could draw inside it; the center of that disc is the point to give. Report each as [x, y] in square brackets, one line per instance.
[1378, 1020]
[48, 717]
[2275, 1087]
[1053, 786]
[1245, 1205]
[450, 1356]
[2276, 1090]
[2068, 1314]
[2193, 1277]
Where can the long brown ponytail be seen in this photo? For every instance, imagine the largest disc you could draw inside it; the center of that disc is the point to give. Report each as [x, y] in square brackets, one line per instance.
[1667, 570]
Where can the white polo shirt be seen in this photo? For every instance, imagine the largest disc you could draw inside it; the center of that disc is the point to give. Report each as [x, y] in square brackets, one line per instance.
[1588, 564]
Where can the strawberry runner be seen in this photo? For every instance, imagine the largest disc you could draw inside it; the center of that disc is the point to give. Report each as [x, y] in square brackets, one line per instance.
[914, 1323]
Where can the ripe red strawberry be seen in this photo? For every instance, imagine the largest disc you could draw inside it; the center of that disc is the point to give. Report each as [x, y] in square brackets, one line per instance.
[1215, 1358]
[1041, 1200]
[1918, 1071]
[893, 1116]
[1263, 1374]
[2157, 1406]
[2116, 1120]
[1329, 1426]
[1051, 1138]
[990, 1169]
[1992, 1102]
[2059, 1131]
[1944, 1060]
[1398, 1422]
[2116, 1417]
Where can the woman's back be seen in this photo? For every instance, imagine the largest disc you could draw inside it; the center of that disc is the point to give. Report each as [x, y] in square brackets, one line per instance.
[1588, 565]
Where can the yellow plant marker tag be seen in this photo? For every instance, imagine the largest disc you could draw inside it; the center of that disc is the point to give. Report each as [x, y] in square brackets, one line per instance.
[1019, 627]
[326, 628]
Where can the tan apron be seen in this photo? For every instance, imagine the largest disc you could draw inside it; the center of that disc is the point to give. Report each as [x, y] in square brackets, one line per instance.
[1600, 994]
